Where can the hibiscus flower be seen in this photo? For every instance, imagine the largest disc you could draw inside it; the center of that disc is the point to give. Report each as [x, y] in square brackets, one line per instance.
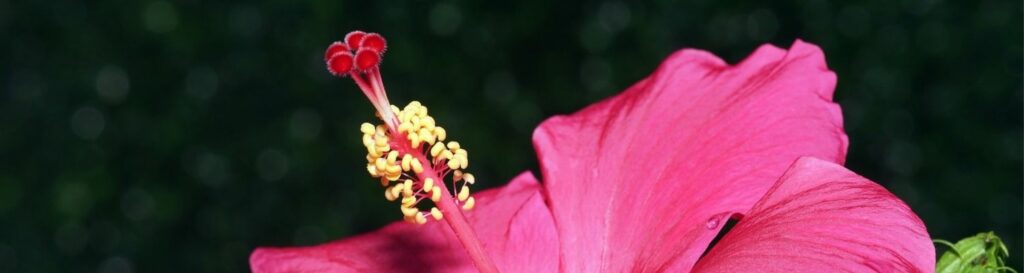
[645, 180]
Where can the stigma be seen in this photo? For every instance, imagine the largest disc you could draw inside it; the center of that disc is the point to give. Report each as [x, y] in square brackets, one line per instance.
[408, 152]
[359, 57]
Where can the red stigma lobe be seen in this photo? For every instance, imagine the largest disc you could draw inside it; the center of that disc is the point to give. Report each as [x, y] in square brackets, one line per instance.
[367, 58]
[340, 63]
[354, 38]
[335, 48]
[374, 41]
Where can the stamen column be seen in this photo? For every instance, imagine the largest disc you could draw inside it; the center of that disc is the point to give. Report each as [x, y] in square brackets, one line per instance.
[395, 150]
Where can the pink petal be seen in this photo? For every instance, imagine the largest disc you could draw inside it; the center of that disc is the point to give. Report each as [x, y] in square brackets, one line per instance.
[821, 217]
[633, 180]
[516, 229]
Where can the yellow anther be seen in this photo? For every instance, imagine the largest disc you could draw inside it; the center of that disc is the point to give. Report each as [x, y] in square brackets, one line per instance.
[456, 176]
[463, 161]
[394, 170]
[422, 111]
[464, 193]
[436, 213]
[416, 166]
[382, 165]
[372, 152]
[380, 140]
[382, 149]
[428, 123]
[436, 150]
[440, 133]
[428, 184]
[415, 140]
[396, 191]
[372, 169]
[453, 145]
[469, 203]
[420, 219]
[406, 160]
[394, 108]
[426, 136]
[389, 196]
[408, 201]
[404, 117]
[368, 140]
[462, 152]
[407, 188]
[404, 126]
[446, 154]
[407, 211]
[415, 122]
[469, 178]
[453, 163]
[413, 105]
[392, 157]
[435, 195]
[367, 128]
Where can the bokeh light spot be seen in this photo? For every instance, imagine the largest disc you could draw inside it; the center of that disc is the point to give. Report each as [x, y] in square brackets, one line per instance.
[212, 169]
[88, 122]
[271, 165]
[112, 84]
[137, 204]
[201, 82]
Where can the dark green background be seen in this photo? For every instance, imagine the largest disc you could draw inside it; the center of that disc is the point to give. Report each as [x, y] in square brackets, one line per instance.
[178, 136]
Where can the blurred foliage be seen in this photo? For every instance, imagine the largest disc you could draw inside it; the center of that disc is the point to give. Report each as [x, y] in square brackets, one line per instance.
[159, 136]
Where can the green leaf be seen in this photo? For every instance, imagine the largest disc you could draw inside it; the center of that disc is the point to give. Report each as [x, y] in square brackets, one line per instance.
[982, 253]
